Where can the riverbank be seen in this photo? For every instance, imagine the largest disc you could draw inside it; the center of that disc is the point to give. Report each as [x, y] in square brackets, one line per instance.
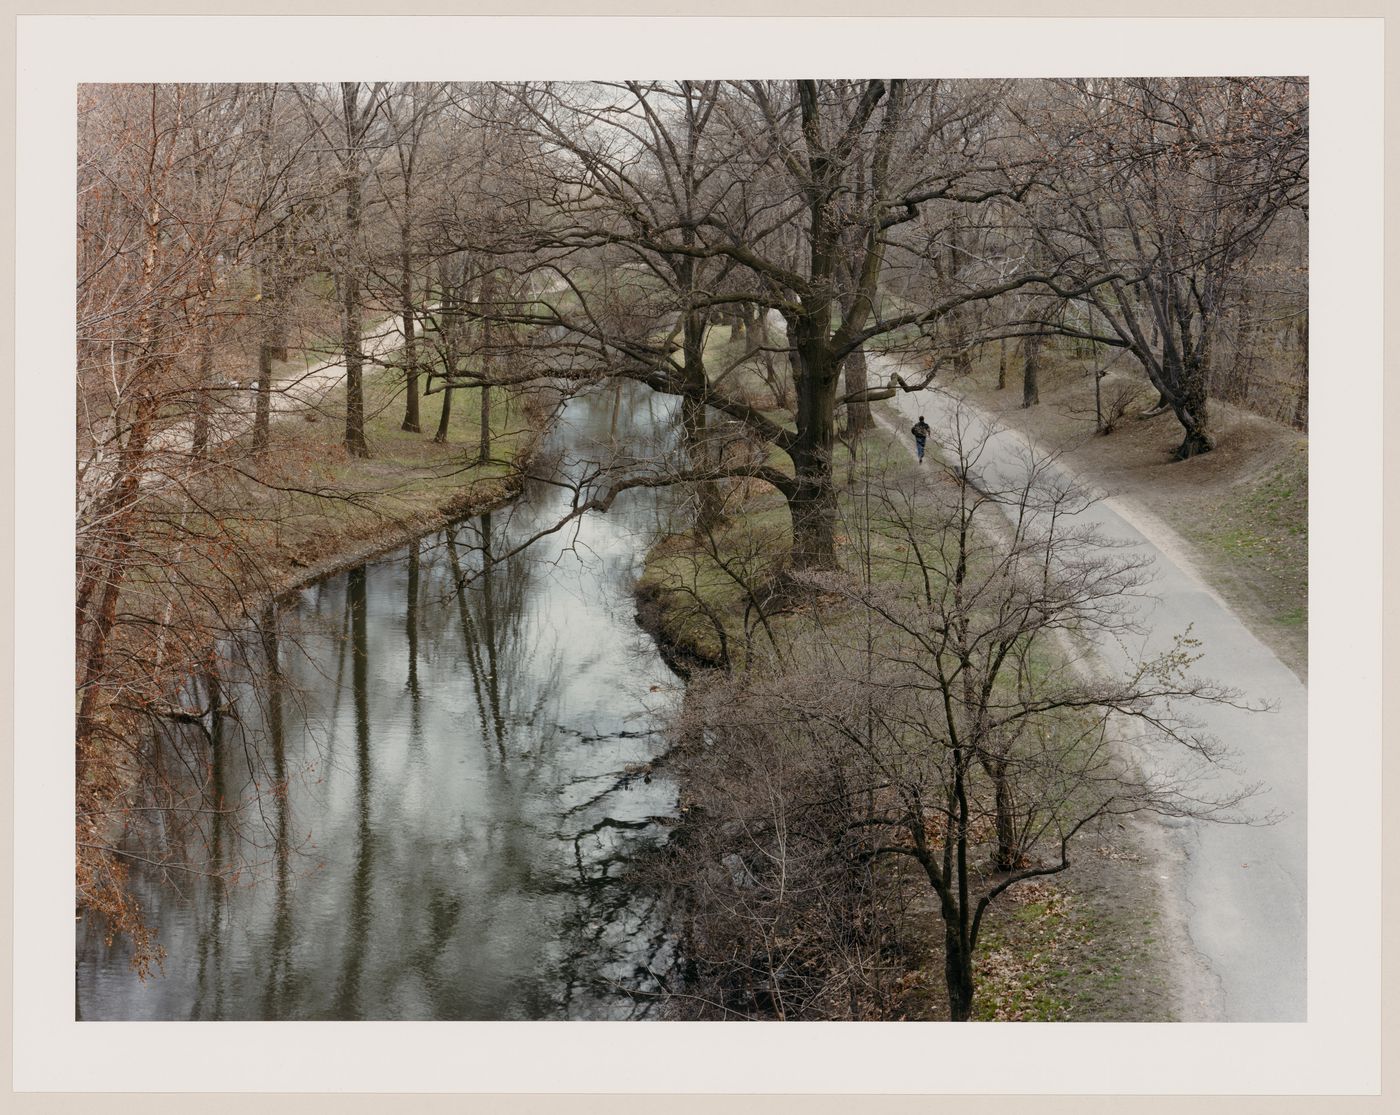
[380, 738]
[315, 510]
[225, 537]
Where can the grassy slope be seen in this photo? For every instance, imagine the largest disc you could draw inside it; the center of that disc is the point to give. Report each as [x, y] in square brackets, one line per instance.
[309, 507]
[1242, 510]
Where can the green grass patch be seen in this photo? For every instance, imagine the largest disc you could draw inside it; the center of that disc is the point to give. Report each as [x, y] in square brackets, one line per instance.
[700, 582]
[1259, 531]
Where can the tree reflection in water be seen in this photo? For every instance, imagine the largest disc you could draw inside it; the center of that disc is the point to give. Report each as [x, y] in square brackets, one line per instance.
[424, 764]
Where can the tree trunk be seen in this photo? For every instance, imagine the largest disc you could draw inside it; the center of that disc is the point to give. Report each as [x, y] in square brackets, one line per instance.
[488, 364]
[962, 351]
[94, 628]
[812, 505]
[1008, 853]
[355, 443]
[446, 419]
[753, 324]
[410, 339]
[694, 430]
[694, 421]
[273, 278]
[199, 439]
[812, 499]
[1300, 408]
[957, 974]
[1030, 385]
[1193, 412]
[262, 419]
[953, 901]
[858, 416]
[854, 367]
[1001, 367]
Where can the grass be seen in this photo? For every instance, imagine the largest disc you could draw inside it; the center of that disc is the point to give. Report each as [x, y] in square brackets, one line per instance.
[406, 478]
[1263, 528]
[264, 523]
[1083, 945]
[697, 581]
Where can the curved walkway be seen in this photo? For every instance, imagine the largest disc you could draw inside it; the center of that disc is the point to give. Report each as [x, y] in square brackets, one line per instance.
[1242, 889]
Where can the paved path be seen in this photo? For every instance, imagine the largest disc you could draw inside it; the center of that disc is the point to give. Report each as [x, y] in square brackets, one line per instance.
[1241, 888]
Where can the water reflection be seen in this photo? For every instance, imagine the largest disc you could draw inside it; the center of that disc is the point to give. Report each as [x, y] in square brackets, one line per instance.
[427, 767]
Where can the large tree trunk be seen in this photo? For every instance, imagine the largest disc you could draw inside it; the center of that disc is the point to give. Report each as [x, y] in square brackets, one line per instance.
[813, 508]
[812, 501]
[1193, 412]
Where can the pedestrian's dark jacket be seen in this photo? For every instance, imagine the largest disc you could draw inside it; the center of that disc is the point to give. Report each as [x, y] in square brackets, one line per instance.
[920, 430]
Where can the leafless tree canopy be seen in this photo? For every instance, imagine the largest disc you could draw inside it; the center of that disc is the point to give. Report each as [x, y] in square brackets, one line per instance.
[511, 237]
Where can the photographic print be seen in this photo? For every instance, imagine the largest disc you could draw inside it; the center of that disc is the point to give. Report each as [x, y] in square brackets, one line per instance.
[554, 549]
[758, 634]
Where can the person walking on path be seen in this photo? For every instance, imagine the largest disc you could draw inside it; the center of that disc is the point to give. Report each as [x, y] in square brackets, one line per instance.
[920, 431]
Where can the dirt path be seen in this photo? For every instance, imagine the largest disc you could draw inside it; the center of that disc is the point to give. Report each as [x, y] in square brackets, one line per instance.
[1237, 891]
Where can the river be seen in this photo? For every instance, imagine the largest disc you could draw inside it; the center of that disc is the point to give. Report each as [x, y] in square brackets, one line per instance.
[429, 791]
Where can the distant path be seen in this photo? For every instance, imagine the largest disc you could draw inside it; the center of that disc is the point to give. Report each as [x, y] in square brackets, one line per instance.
[170, 459]
[292, 393]
[1241, 889]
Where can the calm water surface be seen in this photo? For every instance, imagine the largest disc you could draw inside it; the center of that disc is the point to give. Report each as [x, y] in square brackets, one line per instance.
[464, 773]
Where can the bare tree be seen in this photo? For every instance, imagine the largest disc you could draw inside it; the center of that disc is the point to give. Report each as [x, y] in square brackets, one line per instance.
[1178, 182]
[412, 113]
[782, 220]
[936, 713]
[161, 234]
[346, 117]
